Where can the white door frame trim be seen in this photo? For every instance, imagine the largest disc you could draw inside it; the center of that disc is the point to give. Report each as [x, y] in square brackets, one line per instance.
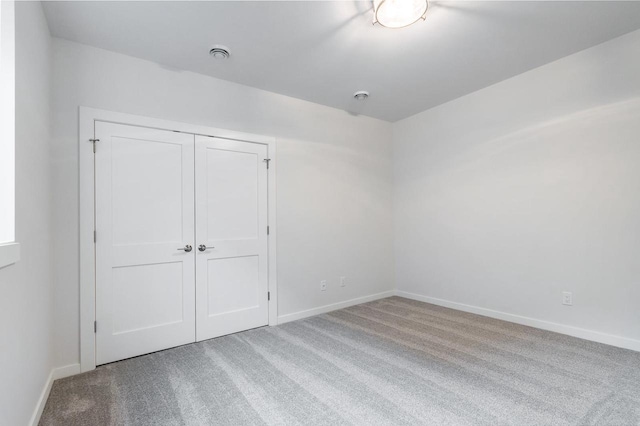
[87, 119]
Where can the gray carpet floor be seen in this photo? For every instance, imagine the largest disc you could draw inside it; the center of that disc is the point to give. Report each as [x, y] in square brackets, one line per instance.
[390, 362]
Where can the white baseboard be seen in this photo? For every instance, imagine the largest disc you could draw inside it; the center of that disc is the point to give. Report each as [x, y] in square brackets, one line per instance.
[334, 306]
[55, 374]
[582, 333]
[66, 371]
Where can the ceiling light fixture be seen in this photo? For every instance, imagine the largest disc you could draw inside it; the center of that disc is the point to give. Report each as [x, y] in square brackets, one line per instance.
[219, 52]
[361, 95]
[399, 13]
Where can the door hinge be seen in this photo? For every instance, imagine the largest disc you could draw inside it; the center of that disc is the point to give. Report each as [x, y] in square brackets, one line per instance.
[268, 295]
[266, 160]
[95, 326]
[267, 230]
[94, 144]
[94, 236]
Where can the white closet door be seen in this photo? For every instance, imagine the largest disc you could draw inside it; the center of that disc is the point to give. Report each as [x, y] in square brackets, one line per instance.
[145, 285]
[231, 235]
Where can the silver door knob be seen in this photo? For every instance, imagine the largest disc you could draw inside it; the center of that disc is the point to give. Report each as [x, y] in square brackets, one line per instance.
[202, 247]
[186, 248]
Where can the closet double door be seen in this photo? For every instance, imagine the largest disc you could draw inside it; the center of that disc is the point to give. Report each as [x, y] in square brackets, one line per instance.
[181, 239]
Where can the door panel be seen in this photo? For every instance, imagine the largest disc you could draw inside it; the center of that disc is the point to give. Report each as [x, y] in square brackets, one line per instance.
[146, 195]
[146, 296]
[231, 284]
[231, 220]
[232, 186]
[145, 286]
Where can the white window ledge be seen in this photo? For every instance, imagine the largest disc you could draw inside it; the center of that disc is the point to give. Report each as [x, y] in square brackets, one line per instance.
[9, 254]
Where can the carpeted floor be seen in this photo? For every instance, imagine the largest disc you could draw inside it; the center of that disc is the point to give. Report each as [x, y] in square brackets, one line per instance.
[393, 361]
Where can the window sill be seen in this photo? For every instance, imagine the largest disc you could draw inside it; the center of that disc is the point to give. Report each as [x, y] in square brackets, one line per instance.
[9, 254]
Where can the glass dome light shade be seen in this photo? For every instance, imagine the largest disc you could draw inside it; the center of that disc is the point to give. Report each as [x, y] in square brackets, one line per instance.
[399, 13]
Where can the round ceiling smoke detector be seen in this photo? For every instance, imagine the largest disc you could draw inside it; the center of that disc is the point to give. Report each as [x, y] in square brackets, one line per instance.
[361, 95]
[219, 52]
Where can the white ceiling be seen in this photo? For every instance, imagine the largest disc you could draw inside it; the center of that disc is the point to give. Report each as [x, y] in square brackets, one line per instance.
[325, 51]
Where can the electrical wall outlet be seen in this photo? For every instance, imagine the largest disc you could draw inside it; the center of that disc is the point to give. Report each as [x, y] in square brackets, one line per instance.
[323, 285]
[567, 298]
[343, 281]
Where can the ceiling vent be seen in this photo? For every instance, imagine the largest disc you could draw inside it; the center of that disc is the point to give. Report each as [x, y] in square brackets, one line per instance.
[361, 95]
[219, 52]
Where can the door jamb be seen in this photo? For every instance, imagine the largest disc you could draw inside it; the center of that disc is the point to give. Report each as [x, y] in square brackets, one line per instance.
[87, 260]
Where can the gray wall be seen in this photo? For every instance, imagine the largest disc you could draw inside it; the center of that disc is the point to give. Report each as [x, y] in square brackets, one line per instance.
[26, 354]
[333, 175]
[509, 196]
